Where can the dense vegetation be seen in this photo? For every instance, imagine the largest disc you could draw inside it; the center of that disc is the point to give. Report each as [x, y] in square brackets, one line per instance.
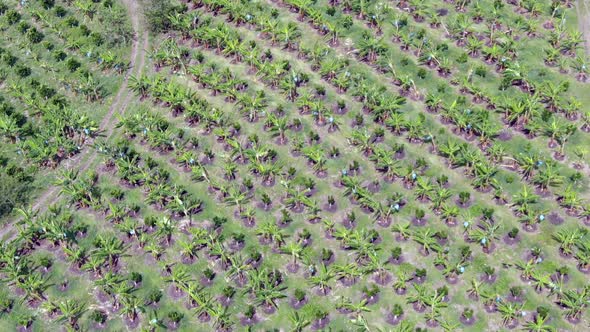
[314, 165]
[58, 66]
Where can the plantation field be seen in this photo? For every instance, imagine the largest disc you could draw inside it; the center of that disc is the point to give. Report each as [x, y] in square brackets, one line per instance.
[294, 165]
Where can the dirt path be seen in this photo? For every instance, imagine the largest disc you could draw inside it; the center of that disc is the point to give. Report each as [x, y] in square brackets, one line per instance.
[583, 10]
[119, 105]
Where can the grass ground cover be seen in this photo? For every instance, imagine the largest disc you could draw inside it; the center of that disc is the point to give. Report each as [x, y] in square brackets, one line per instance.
[322, 165]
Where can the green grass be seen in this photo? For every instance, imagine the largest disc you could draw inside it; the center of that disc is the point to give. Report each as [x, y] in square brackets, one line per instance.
[177, 133]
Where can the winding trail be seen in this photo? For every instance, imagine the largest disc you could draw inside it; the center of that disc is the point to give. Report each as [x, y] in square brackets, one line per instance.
[86, 158]
[583, 11]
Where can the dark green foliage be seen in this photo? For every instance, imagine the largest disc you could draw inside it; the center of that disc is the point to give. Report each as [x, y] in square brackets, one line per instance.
[136, 277]
[12, 16]
[6, 303]
[59, 55]
[71, 22]
[175, 316]
[60, 11]
[22, 71]
[154, 296]
[73, 64]
[397, 310]
[299, 295]
[15, 187]
[48, 4]
[481, 71]
[98, 316]
[3, 8]
[422, 73]
[158, 13]
[23, 27]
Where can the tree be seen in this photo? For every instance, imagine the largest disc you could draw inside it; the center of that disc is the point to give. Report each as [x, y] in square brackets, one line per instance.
[179, 277]
[567, 239]
[524, 199]
[298, 322]
[485, 234]
[321, 279]
[110, 249]
[295, 250]
[238, 269]
[547, 177]
[426, 239]
[574, 302]
[71, 311]
[288, 33]
[403, 230]
[33, 284]
[378, 267]
[509, 311]
[370, 48]
[279, 127]
[420, 296]
[131, 306]
[539, 324]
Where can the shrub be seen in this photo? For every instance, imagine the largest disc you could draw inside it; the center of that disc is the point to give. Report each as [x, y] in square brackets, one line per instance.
[175, 316]
[98, 316]
[464, 197]
[481, 71]
[422, 73]
[299, 295]
[71, 22]
[346, 22]
[34, 36]
[60, 11]
[396, 252]
[96, 39]
[542, 311]
[72, 64]
[462, 58]
[23, 27]
[274, 13]
[48, 45]
[420, 273]
[25, 320]
[250, 312]
[209, 274]
[397, 310]
[228, 292]
[513, 233]
[45, 262]
[136, 277]
[12, 16]
[467, 313]
[154, 296]
[48, 4]
[85, 30]
[22, 71]
[15, 186]
[419, 214]
[45, 91]
[6, 303]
